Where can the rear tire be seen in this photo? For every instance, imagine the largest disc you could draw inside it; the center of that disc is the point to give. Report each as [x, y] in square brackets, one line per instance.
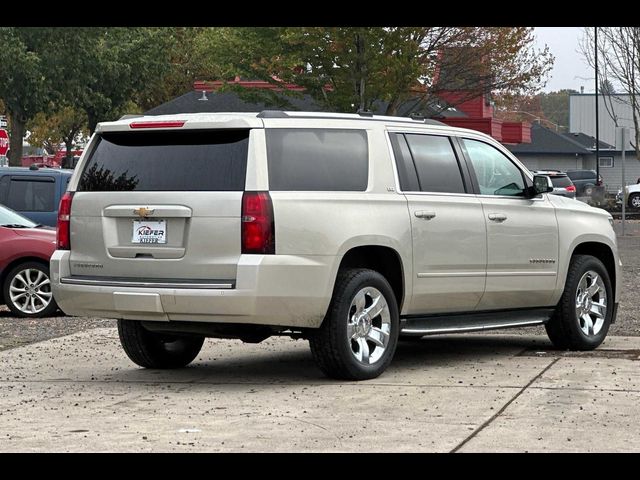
[359, 335]
[588, 190]
[634, 200]
[156, 350]
[583, 316]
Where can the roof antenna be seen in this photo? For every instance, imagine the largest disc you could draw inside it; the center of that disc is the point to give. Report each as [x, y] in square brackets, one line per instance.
[203, 98]
[364, 112]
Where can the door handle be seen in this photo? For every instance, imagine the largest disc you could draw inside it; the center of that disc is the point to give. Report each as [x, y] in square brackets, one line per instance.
[424, 214]
[497, 217]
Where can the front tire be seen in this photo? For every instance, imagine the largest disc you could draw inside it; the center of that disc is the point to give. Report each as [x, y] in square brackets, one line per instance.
[27, 291]
[359, 335]
[583, 316]
[156, 350]
[634, 200]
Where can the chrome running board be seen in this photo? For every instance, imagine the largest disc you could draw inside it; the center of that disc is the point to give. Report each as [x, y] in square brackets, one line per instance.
[474, 321]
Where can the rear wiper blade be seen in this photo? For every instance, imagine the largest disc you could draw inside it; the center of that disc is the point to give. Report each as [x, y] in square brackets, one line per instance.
[14, 225]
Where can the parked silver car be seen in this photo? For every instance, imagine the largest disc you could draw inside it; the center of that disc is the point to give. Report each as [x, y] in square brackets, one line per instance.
[346, 230]
[562, 184]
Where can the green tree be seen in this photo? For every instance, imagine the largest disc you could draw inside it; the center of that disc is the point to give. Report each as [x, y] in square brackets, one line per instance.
[346, 69]
[555, 107]
[103, 72]
[25, 87]
[64, 126]
[106, 71]
[185, 63]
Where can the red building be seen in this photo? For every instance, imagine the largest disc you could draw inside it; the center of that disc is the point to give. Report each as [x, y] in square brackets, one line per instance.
[480, 116]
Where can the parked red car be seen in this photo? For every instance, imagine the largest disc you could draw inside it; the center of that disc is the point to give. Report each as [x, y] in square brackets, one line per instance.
[25, 250]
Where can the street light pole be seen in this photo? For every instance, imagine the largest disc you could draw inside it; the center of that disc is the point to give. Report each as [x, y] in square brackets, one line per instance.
[597, 101]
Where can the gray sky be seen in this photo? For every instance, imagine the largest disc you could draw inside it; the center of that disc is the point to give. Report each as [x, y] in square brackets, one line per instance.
[569, 64]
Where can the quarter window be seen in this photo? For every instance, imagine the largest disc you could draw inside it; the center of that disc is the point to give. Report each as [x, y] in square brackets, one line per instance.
[306, 159]
[496, 174]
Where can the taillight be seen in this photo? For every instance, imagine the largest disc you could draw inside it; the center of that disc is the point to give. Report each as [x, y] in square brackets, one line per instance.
[571, 188]
[258, 228]
[63, 233]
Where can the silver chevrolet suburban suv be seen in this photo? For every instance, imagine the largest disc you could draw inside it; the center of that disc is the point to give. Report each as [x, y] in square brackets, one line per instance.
[348, 230]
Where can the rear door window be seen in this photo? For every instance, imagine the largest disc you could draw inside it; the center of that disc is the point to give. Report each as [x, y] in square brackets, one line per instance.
[436, 163]
[211, 160]
[317, 159]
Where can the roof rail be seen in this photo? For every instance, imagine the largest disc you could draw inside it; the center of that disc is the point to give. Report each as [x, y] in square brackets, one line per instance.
[431, 121]
[272, 114]
[416, 116]
[365, 113]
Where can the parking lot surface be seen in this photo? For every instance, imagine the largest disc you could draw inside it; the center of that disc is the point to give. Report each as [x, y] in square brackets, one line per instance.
[458, 393]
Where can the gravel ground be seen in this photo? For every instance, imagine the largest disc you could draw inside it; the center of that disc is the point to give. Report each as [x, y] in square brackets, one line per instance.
[15, 332]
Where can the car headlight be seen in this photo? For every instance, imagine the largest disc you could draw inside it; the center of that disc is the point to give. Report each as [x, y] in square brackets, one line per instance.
[610, 218]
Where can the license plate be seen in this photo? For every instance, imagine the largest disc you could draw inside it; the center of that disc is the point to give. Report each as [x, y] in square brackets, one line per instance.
[149, 231]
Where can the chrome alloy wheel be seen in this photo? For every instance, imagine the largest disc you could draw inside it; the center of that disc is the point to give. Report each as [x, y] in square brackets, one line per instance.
[635, 201]
[368, 325]
[30, 291]
[591, 303]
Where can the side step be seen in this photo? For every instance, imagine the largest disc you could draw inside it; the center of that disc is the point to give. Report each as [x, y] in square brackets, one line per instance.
[473, 321]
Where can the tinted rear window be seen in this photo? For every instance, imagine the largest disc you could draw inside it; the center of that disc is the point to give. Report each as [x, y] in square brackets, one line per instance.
[581, 175]
[313, 159]
[561, 182]
[213, 160]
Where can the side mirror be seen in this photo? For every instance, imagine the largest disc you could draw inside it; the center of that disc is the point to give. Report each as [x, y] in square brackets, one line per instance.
[541, 184]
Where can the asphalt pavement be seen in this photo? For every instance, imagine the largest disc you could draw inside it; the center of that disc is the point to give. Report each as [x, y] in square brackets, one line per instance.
[465, 393]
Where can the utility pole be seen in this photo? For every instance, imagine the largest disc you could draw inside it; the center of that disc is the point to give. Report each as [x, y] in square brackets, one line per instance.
[623, 148]
[597, 101]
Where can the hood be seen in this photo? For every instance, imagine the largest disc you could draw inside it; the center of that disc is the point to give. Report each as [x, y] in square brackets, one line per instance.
[38, 233]
[565, 203]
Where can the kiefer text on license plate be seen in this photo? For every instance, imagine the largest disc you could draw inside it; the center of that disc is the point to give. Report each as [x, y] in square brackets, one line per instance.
[149, 231]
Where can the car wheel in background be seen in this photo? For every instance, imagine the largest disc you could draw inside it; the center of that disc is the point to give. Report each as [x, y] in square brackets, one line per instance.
[634, 200]
[588, 190]
[27, 291]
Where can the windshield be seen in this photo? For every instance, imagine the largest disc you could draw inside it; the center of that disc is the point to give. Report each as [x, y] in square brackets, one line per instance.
[13, 219]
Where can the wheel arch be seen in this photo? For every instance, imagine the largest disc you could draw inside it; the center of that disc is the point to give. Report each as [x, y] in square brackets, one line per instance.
[383, 259]
[602, 252]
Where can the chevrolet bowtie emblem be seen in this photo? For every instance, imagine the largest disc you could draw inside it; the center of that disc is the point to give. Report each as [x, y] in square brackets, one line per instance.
[143, 212]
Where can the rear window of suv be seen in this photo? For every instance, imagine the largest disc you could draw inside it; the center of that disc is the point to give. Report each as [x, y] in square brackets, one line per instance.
[561, 181]
[314, 159]
[581, 174]
[212, 160]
